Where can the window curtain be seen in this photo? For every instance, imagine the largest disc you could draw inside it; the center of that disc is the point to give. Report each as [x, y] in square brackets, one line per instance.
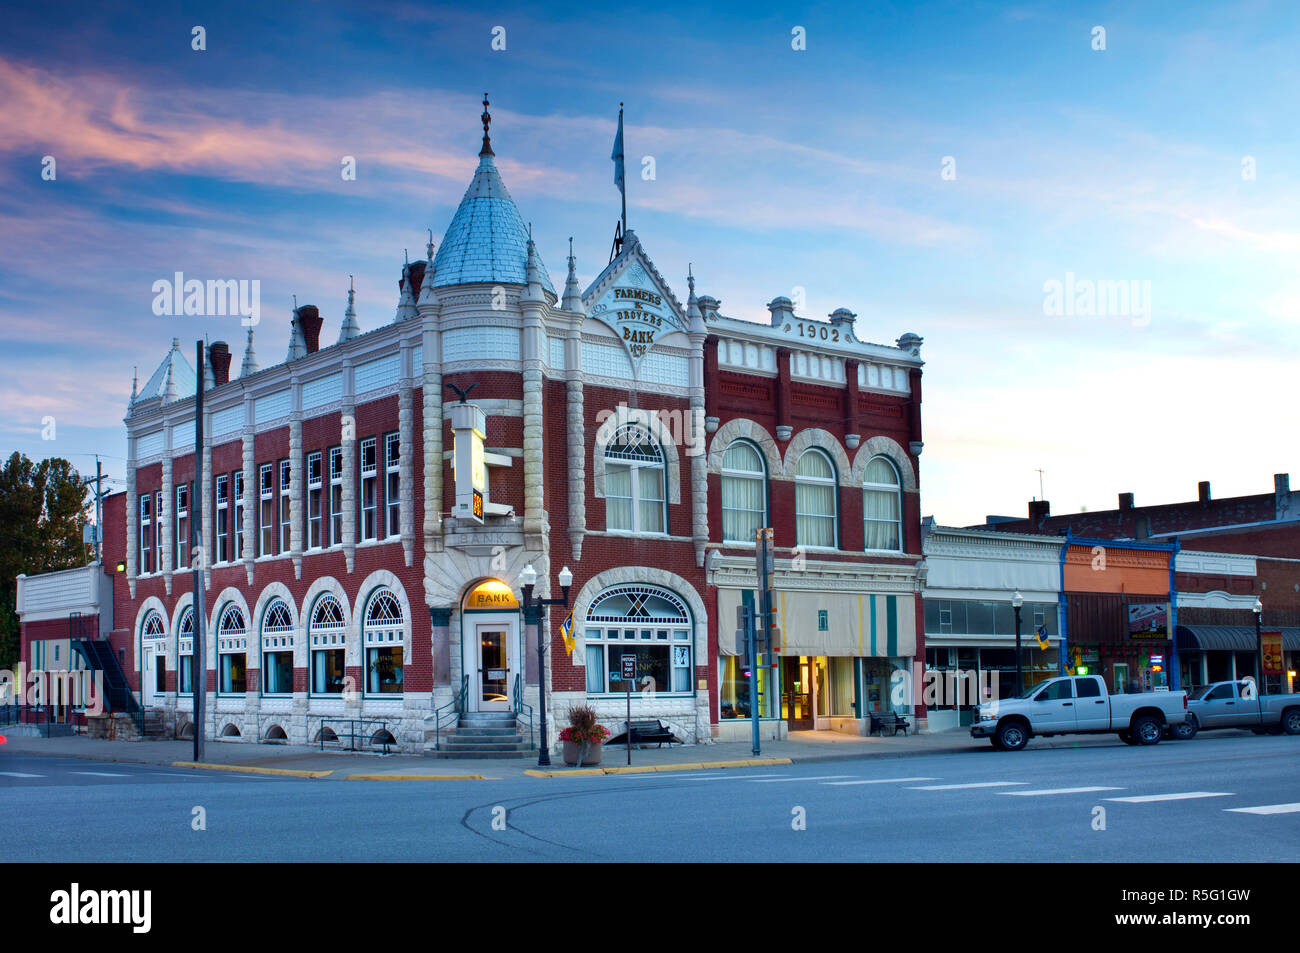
[650, 482]
[742, 508]
[618, 497]
[595, 665]
[880, 508]
[815, 514]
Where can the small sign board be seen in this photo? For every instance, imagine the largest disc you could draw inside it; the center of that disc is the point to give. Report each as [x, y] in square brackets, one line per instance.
[496, 674]
[629, 667]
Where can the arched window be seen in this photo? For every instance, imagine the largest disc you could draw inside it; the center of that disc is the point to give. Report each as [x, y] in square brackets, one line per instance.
[384, 644]
[277, 649]
[232, 647]
[326, 640]
[634, 482]
[153, 627]
[882, 506]
[648, 622]
[814, 499]
[185, 652]
[744, 492]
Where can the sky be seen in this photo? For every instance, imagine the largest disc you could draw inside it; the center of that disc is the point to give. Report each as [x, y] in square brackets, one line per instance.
[934, 167]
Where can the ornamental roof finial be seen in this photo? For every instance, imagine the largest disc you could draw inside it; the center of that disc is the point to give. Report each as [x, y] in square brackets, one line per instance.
[487, 121]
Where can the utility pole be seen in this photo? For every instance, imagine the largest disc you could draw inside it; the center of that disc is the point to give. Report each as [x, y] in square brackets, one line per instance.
[199, 671]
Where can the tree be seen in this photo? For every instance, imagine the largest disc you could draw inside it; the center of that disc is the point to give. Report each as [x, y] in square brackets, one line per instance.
[42, 514]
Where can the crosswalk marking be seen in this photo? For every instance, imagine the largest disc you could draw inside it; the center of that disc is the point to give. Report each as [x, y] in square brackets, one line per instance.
[977, 784]
[1183, 796]
[824, 777]
[879, 781]
[19, 774]
[101, 774]
[1046, 791]
[1267, 809]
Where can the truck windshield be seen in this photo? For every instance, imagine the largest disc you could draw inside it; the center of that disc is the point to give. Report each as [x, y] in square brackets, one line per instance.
[1033, 691]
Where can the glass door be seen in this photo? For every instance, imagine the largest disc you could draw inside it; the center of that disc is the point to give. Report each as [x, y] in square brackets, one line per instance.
[494, 670]
[796, 697]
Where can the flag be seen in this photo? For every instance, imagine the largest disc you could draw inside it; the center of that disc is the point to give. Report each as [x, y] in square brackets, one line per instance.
[617, 154]
[566, 632]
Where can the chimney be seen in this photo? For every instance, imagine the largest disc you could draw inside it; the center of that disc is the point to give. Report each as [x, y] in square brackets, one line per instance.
[1281, 483]
[1203, 491]
[310, 321]
[1282, 498]
[1126, 501]
[219, 359]
[1039, 509]
[782, 311]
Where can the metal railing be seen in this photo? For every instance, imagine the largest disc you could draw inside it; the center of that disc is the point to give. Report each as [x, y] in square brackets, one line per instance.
[453, 708]
[45, 718]
[520, 707]
[328, 721]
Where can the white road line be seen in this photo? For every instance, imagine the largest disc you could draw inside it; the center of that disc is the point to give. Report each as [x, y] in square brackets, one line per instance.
[1184, 796]
[19, 774]
[880, 781]
[822, 777]
[1267, 809]
[1046, 791]
[958, 787]
[101, 774]
[715, 777]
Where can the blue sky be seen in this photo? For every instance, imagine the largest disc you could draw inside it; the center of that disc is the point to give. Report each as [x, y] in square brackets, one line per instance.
[776, 170]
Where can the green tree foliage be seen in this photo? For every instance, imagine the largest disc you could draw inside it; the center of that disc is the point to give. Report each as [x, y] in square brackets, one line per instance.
[42, 512]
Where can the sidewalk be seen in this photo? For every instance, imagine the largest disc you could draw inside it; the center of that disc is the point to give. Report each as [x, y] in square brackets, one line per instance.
[333, 765]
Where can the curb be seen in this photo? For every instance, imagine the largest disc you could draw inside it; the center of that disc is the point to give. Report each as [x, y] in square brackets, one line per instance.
[415, 777]
[659, 769]
[280, 772]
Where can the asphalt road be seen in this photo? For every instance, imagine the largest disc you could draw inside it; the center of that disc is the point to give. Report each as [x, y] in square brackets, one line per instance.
[1228, 798]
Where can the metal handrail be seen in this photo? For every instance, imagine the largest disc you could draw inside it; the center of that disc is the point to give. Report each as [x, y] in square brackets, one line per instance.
[520, 706]
[453, 707]
[352, 724]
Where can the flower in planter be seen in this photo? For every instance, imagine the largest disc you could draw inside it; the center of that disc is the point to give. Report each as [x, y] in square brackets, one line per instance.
[583, 727]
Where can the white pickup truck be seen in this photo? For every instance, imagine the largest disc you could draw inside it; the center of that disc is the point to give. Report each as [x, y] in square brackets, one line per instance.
[1078, 704]
[1235, 704]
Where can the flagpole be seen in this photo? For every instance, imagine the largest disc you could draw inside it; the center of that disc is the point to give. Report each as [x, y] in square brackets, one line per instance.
[622, 168]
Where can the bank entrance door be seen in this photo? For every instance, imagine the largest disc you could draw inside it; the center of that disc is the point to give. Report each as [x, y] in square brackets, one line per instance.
[797, 692]
[493, 686]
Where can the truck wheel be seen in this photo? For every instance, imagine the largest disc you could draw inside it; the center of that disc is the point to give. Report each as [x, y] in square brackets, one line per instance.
[1186, 731]
[1011, 736]
[993, 739]
[1147, 731]
[1291, 721]
[1126, 736]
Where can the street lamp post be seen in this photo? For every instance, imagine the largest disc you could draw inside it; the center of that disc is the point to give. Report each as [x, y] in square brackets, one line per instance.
[1016, 602]
[533, 616]
[1258, 609]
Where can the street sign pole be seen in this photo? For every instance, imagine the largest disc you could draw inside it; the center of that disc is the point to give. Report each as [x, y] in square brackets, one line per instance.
[629, 675]
[762, 621]
[198, 661]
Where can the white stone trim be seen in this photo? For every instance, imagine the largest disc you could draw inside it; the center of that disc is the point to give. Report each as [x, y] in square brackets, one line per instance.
[321, 586]
[823, 440]
[741, 428]
[652, 422]
[882, 446]
[383, 579]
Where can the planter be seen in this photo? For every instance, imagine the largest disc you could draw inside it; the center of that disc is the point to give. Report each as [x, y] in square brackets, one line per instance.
[573, 751]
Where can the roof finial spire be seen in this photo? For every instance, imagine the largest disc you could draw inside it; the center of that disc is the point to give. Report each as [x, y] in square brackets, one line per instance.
[487, 121]
[572, 294]
[429, 247]
[349, 328]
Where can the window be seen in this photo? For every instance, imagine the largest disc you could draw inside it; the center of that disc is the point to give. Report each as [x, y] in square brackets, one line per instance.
[326, 641]
[384, 644]
[634, 482]
[314, 490]
[393, 484]
[153, 627]
[1057, 691]
[1088, 687]
[336, 496]
[182, 526]
[157, 536]
[882, 506]
[223, 518]
[814, 500]
[650, 623]
[1224, 692]
[239, 514]
[232, 647]
[266, 510]
[286, 538]
[744, 493]
[369, 489]
[146, 533]
[277, 650]
[185, 653]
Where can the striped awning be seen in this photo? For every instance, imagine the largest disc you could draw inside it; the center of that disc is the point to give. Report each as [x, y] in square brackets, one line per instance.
[1230, 638]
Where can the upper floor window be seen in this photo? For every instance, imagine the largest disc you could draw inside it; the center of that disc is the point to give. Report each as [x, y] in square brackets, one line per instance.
[393, 484]
[158, 534]
[744, 492]
[182, 525]
[146, 533]
[223, 517]
[634, 482]
[369, 488]
[315, 488]
[286, 537]
[336, 496]
[814, 499]
[266, 509]
[882, 506]
[239, 514]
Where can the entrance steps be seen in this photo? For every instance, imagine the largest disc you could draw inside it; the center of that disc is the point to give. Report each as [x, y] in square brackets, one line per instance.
[483, 734]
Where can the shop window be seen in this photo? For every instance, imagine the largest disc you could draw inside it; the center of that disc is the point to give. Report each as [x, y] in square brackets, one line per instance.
[384, 644]
[232, 647]
[277, 650]
[185, 653]
[326, 638]
[649, 623]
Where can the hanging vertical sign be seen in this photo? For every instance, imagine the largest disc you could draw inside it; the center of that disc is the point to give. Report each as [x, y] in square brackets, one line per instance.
[468, 427]
[1271, 650]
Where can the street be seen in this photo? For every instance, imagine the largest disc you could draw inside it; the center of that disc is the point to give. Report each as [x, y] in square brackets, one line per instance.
[1227, 798]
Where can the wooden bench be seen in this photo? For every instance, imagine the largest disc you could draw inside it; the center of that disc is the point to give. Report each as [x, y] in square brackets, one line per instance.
[880, 720]
[644, 732]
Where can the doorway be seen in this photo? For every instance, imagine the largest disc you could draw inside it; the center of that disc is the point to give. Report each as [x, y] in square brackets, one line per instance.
[493, 690]
[797, 692]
